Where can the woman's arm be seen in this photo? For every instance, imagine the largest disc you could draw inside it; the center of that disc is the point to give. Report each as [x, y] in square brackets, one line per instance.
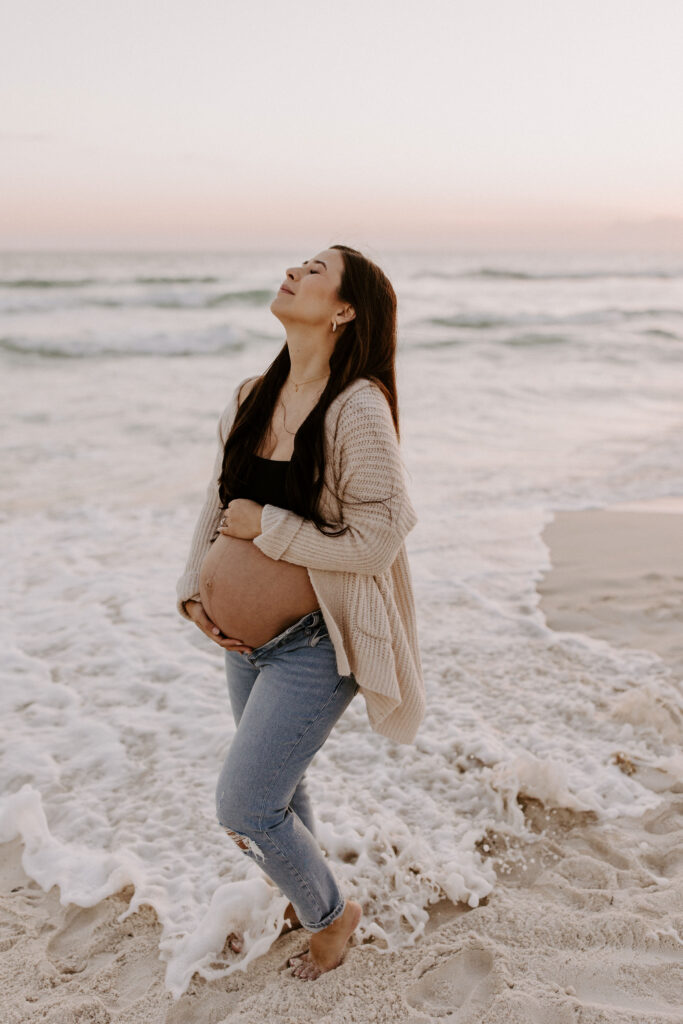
[187, 587]
[375, 502]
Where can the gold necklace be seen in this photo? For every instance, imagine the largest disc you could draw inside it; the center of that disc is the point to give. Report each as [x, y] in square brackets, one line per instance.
[301, 384]
[292, 433]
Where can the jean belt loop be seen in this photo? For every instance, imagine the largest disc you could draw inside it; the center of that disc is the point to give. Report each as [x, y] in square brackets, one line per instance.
[318, 634]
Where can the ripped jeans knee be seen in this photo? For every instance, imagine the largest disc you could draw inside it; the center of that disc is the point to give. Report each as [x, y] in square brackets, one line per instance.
[244, 842]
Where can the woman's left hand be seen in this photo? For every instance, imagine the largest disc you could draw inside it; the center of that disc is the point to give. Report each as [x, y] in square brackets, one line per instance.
[241, 518]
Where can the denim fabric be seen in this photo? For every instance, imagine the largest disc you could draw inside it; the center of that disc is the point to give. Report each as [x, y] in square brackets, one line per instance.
[286, 697]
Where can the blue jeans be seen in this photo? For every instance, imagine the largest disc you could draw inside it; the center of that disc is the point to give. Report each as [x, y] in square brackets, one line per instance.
[286, 697]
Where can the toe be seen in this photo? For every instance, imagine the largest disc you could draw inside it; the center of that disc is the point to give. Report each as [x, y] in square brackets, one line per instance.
[306, 968]
[295, 960]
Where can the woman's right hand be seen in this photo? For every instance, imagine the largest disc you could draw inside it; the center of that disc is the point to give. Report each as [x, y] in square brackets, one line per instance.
[195, 609]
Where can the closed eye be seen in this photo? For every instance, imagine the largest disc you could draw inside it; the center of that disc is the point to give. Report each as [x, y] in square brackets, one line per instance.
[305, 264]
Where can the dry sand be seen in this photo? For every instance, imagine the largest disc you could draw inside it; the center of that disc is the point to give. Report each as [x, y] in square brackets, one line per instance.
[585, 924]
[618, 574]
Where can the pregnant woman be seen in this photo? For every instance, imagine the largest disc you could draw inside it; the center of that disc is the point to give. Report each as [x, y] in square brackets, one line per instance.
[298, 569]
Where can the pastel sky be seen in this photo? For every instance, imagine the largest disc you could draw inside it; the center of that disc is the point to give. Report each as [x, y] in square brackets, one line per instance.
[213, 123]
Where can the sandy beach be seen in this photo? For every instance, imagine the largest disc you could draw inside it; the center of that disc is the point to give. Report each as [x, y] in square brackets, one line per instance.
[520, 862]
[618, 575]
[584, 922]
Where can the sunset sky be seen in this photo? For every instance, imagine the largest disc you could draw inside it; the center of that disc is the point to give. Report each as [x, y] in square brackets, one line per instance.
[217, 124]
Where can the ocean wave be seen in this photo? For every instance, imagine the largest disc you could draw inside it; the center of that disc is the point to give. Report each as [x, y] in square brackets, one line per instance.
[421, 343]
[82, 282]
[474, 320]
[258, 297]
[515, 340]
[47, 282]
[176, 280]
[508, 274]
[152, 345]
[658, 333]
[631, 313]
[518, 340]
[247, 297]
[484, 321]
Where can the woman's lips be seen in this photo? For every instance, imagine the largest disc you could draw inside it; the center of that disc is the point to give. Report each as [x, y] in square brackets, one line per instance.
[285, 290]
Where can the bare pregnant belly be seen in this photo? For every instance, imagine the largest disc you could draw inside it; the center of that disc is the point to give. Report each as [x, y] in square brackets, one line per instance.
[249, 596]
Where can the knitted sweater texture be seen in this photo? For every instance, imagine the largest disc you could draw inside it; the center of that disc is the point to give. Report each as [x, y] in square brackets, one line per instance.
[362, 577]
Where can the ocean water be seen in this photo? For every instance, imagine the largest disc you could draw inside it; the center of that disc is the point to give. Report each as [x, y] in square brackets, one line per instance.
[527, 383]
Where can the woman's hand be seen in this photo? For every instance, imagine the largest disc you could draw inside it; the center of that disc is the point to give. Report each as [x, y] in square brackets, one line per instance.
[195, 609]
[241, 518]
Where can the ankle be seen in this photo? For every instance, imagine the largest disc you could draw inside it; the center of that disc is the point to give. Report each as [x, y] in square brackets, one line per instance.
[341, 922]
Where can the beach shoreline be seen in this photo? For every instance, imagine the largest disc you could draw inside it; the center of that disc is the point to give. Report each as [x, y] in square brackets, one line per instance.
[586, 918]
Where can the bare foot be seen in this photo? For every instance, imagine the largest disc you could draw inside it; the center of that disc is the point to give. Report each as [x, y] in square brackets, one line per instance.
[326, 948]
[235, 940]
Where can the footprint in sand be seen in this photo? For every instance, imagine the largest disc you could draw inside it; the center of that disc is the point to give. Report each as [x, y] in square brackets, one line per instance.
[460, 989]
[612, 987]
[77, 931]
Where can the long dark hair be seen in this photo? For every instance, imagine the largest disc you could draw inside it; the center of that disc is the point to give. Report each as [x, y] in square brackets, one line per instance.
[365, 348]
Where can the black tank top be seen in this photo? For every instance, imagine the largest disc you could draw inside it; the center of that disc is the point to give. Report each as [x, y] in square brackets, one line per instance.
[266, 481]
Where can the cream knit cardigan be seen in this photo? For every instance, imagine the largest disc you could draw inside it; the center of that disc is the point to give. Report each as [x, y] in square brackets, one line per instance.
[361, 578]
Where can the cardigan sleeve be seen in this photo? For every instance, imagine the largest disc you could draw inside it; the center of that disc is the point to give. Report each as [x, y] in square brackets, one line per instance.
[205, 528]
[374, 500]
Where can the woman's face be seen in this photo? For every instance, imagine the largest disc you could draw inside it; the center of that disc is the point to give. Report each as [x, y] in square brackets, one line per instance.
[313, 296]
